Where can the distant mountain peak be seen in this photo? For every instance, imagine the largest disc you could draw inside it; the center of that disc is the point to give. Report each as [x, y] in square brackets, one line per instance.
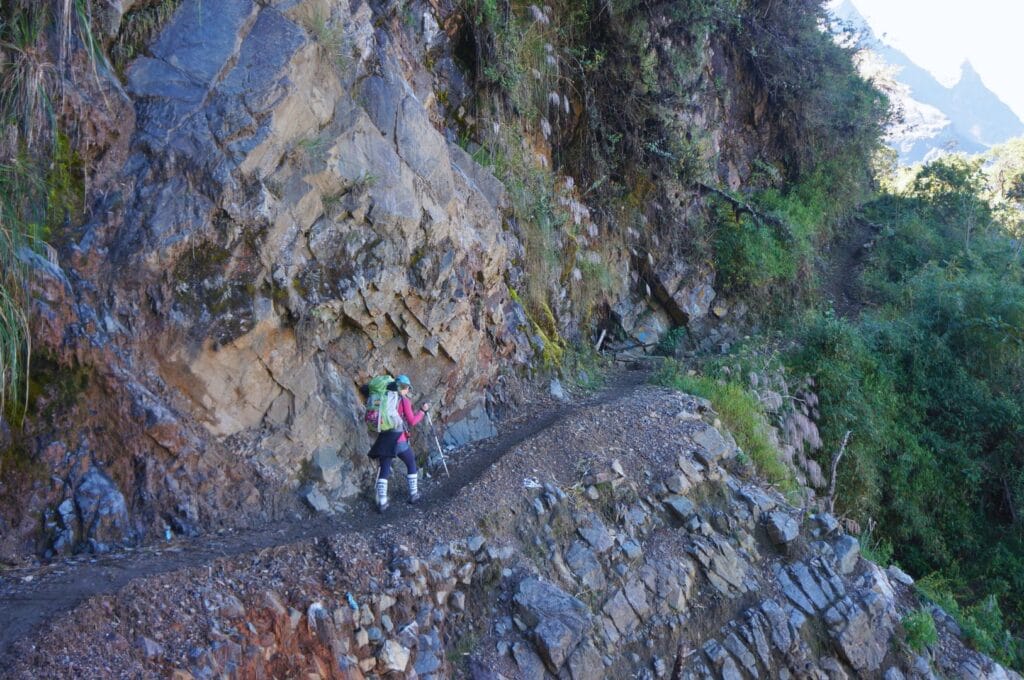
[967, 116]
[968, 73]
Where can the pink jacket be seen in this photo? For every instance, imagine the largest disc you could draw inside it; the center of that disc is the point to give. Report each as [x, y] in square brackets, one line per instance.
[410, 417]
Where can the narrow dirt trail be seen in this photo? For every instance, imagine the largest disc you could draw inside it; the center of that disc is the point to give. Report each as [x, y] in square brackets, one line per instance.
[30, 598]
[841, 281]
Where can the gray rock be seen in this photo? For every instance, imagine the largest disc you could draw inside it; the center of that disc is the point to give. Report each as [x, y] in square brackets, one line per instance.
[861, 632]
[475, 542]
[480, 670]
[826, 524]
[326, 467]
[722, 660]
[530, 665]
[556, 390]
[395, 656]
[631, 549]
[847, 550]
[833, 668]
[102, 509]
[585, 663]
[380, 96]
[893, 673]
[558, 620]
[429, 653]
[778, 625]
[636, 594]
[678, 483]
[423, 148]
[149, 648]
[721, 564]
[713, 443]
[741, 653]
[682, 507]
[621, 613]
[476, 425]
[478, 176]
[231, 607]
[812, 586]
[596, 534]
[782, 528]
[584, 564]
[315, 498]
[897, 574]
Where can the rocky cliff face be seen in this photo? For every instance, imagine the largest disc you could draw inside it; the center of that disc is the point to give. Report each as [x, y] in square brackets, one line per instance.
[277, 211]
[626, 541]
[287, 222]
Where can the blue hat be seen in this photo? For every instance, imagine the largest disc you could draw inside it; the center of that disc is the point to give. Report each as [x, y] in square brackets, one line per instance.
[403, 380]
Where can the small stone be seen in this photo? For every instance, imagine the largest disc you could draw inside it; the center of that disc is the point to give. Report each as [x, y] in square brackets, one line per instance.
[682, 507]
[847, 550]
[556, 390]
[530, 665]
[827, 524]
[150, 648]
[395, 656]
[458, 601]
[678, 483]
[475, 542]
[631, 549]
[897, 574]
[315, 498]
[782, 528]
[231, 607]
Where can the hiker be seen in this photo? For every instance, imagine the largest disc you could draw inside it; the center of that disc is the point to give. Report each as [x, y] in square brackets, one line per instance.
[397, 444]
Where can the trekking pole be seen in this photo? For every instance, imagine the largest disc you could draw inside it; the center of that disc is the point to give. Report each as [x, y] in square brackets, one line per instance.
[437, 441]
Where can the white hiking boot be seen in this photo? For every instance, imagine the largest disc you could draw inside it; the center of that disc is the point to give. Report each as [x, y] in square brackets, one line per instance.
[414, 493]
[382, 495]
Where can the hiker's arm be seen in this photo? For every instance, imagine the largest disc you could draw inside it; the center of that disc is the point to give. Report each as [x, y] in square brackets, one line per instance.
[408, 415]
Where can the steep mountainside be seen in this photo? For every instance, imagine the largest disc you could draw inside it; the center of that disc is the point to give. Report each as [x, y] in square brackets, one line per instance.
[283, 199]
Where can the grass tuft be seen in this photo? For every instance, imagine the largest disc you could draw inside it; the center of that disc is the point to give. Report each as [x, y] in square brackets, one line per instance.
[742, 415]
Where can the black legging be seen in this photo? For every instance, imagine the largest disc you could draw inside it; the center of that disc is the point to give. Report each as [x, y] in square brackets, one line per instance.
[404, 451]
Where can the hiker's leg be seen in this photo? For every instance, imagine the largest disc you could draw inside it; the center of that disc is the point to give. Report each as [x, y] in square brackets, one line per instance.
[382, 483]
[405, 452]
[385, 467]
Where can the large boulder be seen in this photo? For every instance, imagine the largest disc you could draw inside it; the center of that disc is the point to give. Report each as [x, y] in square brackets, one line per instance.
[558, 621]
[102, 510]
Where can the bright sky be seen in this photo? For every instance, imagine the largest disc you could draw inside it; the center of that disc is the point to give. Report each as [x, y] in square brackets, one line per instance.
[940, 34]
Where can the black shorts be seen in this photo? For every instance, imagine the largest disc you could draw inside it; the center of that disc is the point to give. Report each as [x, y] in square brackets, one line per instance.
[384, 445]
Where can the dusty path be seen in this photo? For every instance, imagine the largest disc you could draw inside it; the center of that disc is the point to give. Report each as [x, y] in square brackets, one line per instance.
[841, 279]
[30, 597]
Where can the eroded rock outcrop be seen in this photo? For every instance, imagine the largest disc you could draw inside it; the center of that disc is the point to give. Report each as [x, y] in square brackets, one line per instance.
[287, 221]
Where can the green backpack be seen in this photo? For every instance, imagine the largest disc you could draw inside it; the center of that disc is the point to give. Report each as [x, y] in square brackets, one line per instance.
[381, 412]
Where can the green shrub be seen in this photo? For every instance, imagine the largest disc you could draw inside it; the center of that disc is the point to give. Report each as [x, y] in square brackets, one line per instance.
[982, 624]
[919, 627]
